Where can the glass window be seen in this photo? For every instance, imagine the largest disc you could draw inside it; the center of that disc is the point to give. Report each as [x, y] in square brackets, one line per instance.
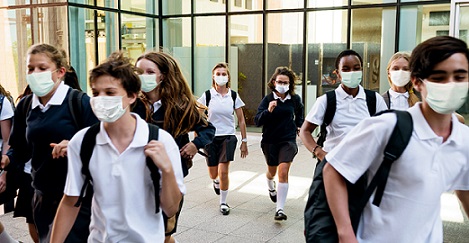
[138, 35]
[140, 6]
[363, 2]
[107, 3]
[88, 2]
[366, 40]
[16, 39]
[326, 3]
[245, 55]
[209, 50]
[327, 37]
[285, 45]
[281, 4]
[177, 7]
[14, 2]
[45, 1]
[204, 6]
[177, 42]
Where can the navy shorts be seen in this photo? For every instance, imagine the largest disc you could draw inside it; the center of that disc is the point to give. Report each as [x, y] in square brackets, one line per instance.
[222, 149]
[277, 153]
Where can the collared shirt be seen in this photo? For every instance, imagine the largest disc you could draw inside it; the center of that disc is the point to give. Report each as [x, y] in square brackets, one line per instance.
[56, 99]
[427, 168]
[157, 105]
[280, 98]
[220, 111]
[399, 100]
[123, 207]
[349, 112]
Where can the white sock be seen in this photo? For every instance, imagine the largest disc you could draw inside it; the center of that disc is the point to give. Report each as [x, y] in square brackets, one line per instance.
[216, 183]
[223, 195]
[271, 184]
[282, 192]
[6, 238]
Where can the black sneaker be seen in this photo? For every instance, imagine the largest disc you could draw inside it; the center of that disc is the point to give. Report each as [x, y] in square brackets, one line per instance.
[273, 194]
[280, 215]
[224, 209]
[216, 187]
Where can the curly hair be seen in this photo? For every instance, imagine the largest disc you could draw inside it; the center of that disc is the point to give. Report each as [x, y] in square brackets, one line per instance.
[182, 111]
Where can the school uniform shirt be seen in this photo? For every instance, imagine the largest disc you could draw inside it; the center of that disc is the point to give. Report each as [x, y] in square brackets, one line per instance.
[31, 137]
[220, 111]
[282, 123]
[410, 207]
[349, 112]
[123, 206]
[399, 100]
[5, 114]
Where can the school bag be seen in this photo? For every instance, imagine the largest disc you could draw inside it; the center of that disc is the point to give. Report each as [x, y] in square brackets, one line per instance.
[331, 108]
[86, 151]
[208, 97]
[319, 222]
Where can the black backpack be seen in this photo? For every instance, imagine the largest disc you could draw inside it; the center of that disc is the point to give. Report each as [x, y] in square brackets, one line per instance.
[331, 108]
[208, 97]
[87, 146]
[319, 222]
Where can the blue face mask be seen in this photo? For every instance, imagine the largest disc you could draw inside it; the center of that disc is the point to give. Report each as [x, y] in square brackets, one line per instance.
[351, 79]
[40, 83]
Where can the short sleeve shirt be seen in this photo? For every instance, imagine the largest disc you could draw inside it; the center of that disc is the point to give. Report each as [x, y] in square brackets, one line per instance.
[220, 111]
[123, 206]
[427, 168]
[7, 110]
[399, 100]
[349, 112]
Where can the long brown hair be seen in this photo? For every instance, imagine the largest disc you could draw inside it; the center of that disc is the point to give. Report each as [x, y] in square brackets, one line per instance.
[413, 98]
[182, 111]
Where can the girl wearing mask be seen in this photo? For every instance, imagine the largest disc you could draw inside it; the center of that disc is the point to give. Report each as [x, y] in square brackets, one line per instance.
[221, 109]
[280, 114]
[435, 160]
[41, 131]
[174, 109]
[401, 94]
[124, 199]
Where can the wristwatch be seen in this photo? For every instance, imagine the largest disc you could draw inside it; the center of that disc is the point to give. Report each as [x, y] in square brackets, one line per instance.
[244, 140]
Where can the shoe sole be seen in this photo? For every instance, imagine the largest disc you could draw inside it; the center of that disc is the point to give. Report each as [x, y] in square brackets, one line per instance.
[279, 218]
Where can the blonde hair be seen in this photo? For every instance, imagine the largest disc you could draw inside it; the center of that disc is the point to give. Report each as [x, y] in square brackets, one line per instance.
[225, 66]
[409, 87]
[57, 56]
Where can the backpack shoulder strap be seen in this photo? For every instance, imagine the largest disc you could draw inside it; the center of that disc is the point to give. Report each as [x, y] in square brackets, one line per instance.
[75, 106]
[86, 151]
[208, 97]
[396, 145]
[387, 99]
[28, 100]
[371, 101]
[234, 95]
[2, 97]
[328, 116]
[154, 172]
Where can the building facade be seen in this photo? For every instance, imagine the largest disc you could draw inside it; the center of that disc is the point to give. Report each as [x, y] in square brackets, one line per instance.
[253, 36]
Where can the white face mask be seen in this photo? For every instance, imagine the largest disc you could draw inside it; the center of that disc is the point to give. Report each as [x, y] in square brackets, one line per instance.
[220, 80]
[446, 98]
[40, 83]
[351, 79]
[399, 77]
[149, 82]
[282, 89]
[107, 108]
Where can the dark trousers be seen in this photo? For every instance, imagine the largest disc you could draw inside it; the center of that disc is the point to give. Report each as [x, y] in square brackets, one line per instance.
[44, 210]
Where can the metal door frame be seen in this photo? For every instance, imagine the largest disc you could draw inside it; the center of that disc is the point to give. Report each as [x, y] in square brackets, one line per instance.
[454, 16]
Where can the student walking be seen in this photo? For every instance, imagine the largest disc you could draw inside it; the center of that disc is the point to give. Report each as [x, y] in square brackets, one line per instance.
[173, 108]
[124, 198]
[435, 160]
[401, 95]
[280, 114]
[44, 123]
[222, 103]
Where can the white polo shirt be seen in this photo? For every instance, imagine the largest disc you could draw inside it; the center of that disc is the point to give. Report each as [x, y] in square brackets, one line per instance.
[410, 207]
[220, 112]
[6, 113]
[349, 112]
[399, 100]
[123, 206]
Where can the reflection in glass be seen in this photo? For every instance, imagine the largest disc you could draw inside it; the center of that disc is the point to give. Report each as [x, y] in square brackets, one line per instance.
[138, 35]
[140, 6]
[326, 3]
[209, 50]
[246, 43]
[276, 4]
